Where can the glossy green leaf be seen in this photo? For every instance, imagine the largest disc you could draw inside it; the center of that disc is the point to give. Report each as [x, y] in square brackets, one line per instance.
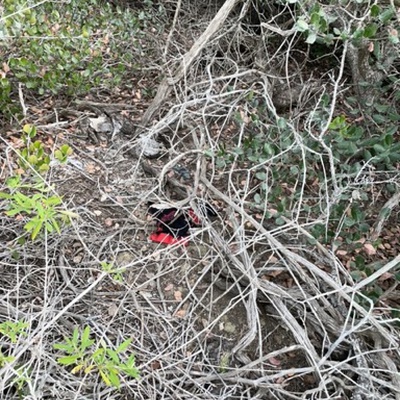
[301, 25]
[375, 10]
[370, 30]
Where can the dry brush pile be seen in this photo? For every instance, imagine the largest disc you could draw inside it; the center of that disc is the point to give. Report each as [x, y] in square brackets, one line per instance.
[291, 291]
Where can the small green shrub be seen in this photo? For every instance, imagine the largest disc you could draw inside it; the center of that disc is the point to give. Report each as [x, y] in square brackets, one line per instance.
[13, 330]
[115, 273]
[32, 199]
[10, 332]
[86, 355]
[41, 209]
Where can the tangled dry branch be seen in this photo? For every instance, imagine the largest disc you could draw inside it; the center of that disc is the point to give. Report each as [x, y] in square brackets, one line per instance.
[251, 309]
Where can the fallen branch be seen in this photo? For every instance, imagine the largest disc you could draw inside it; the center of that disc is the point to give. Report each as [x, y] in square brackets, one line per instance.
[168, 82]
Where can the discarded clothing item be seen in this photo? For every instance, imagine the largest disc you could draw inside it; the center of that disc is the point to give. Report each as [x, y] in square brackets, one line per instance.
[173, 224]
[166, 238]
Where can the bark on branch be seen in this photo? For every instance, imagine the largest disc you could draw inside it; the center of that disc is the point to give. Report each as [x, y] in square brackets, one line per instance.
[167, 83]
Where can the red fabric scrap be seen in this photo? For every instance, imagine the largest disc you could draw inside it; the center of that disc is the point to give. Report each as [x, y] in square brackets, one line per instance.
[166, 238]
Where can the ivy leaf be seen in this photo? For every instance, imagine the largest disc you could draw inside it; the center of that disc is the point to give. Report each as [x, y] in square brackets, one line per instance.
[302, 25]
[311, 38]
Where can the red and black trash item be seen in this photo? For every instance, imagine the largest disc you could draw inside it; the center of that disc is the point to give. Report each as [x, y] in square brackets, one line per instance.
[173, 224]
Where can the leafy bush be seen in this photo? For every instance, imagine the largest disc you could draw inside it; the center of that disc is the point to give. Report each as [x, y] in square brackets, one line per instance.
[66, 47]
[288, 171]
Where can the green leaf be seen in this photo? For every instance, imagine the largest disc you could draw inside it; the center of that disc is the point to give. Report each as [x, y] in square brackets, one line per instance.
[53, 201]
[388, 140]
[379, 148]
[360, 262]
[58, 155]
[381, 107]
[5, 196]
[262, 176]
[105, 378]
[257, 198]
[268, 149]
[370, 30]
[30, 130]
[348, 222]
[75, 336]
[364, 227]
[130, 363]
[375, 10]
[337, 32]
[124, 345]
[387, 15]
[22, 200]
[328, 38]
[99, 355]
[114, 379]
[113, 355]
[65, 347]
[301, 25]
[85, 342]
[30, 225]
[32, 159]
[77, 369]
[282, 124]
[134, 372]
[315, 18]
[55, 225]
[13, 181]
[338, 123]
[49, 227]
[357, 275]
[129, 367]
[311, 38]
[68, 360]
[36, 230]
